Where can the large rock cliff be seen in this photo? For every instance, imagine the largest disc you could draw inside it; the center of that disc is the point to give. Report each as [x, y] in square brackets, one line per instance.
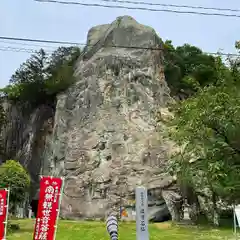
[25, 137]
[106, 139]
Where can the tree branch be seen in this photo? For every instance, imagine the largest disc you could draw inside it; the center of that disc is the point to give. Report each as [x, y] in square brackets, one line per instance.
[226, 139]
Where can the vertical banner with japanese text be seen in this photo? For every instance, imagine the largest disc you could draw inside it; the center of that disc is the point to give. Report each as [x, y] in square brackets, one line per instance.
[4, 199]
[141, 213]
[48, 208]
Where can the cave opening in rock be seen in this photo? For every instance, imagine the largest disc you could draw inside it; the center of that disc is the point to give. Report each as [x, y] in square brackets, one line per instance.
[34, 206]
[157, 207]
[34, 199]
[164, 218]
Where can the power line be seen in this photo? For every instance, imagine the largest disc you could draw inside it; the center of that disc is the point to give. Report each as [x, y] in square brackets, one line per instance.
[27, 44]
[137, 8]
[9, 49]
[92, 45]
[28, 50]
[24, 50]
[39, 41]
[171, 5]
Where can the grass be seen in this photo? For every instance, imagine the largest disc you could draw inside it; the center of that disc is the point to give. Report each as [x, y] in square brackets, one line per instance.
[70, 230]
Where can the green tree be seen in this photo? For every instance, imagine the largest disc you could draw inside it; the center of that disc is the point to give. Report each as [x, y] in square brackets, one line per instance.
[27, 83]
[208, 126]
[13, 175]
[61, 70]
[33, 70]
[187, 69]
[42, 77]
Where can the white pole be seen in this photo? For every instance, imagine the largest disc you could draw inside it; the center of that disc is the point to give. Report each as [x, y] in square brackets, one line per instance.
[7, 207]
[235, 222]
[59, 206]
[29, 212]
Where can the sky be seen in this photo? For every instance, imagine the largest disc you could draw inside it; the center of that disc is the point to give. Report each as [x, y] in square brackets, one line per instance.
[30, 19]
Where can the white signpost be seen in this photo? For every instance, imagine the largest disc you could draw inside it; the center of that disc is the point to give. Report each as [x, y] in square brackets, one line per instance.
[141, 213]
[29, 212]
[236, 216]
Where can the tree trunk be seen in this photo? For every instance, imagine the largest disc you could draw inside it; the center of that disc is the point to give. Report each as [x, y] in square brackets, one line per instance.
[194, 212]
[174, 203]
[215, 214]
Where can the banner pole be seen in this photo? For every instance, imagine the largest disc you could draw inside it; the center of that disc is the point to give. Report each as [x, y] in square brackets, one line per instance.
[59, 205]
[6, 219]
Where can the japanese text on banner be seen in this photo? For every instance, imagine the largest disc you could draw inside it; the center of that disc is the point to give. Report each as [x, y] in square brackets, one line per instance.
[3, 212]
[49, 196]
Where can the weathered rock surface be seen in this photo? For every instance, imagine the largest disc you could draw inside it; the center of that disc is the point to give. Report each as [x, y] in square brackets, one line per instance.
[105, 139]
[25, 136]
[103, 136]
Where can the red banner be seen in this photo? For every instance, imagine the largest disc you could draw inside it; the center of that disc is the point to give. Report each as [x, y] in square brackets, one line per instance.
[48, 206]
[3, 212]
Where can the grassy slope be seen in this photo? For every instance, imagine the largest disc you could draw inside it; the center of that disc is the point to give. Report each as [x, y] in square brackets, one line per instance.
[96, 231]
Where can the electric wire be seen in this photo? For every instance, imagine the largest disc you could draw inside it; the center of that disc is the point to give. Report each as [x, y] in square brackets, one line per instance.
[137, 8]
[40, 40]
[170, 5]
[23, 50]
[92, 45]
[27, 44]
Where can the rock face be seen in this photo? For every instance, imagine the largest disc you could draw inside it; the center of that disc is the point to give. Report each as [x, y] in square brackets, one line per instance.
[103, 136]
[25, 137]
[105, 140]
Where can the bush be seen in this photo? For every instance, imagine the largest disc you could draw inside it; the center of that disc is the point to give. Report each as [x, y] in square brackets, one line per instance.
[13, 175]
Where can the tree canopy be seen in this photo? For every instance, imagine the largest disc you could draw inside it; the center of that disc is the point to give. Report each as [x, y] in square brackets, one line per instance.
[42, 76]
[207, 127]
[13, 175]
[187, 69]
